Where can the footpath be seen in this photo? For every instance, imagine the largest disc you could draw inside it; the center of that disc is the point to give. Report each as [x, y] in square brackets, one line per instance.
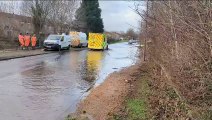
[13, 53]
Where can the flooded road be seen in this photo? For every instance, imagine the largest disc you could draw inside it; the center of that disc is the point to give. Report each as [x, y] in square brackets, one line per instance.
[48, 87]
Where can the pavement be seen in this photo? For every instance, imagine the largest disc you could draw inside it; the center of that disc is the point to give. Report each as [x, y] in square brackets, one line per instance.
[12, 53]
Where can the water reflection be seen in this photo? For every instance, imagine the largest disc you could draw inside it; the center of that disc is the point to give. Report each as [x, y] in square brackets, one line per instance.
[38, 77]
[92, 65]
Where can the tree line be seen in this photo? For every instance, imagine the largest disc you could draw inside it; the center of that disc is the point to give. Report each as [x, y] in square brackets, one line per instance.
[60, 14]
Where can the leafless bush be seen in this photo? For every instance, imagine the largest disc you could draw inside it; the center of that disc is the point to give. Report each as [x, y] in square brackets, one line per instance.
[8, 6]
[179, 35]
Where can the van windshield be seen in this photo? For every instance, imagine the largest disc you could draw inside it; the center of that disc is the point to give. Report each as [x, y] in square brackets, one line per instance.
[54, 37]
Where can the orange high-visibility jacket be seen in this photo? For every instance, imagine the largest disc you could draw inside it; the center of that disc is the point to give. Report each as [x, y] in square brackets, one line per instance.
[27, 40]
[21, 40]
[33, 41]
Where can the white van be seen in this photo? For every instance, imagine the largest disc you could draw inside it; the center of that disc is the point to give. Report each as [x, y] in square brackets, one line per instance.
[78, 39]
[57, 42]
[83, 39]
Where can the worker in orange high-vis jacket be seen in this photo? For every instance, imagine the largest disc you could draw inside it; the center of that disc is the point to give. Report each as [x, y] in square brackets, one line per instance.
[27, 40]
[33, 41]
[21, 40]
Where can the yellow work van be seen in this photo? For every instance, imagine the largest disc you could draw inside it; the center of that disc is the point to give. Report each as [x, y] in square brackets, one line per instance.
[97, 41]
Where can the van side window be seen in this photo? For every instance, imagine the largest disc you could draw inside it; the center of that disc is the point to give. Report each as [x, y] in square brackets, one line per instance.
[62, 39]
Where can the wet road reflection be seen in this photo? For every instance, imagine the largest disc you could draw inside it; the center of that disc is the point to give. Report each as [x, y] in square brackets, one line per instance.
[92, 65]
[48, 87]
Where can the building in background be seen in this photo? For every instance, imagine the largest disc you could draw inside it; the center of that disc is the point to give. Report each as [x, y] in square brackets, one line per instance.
[12, 24]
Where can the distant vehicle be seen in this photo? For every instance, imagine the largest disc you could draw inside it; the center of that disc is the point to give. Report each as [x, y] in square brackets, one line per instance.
[78, 39]
[57, 42]
[132, 41]
[97, 41]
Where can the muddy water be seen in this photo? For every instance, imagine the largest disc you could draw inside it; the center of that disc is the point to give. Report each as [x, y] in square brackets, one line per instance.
[48, 87]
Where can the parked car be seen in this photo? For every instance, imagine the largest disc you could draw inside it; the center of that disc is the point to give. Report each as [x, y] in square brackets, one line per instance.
[132, 41]
[57, 42]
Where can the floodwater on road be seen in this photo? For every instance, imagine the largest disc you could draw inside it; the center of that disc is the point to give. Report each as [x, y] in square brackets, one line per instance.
[48, 87]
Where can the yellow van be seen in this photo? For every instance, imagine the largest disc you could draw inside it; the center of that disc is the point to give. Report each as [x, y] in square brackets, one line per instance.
[97, 41]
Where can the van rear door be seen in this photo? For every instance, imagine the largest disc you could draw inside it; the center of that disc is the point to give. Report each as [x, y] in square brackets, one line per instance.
[95, 41]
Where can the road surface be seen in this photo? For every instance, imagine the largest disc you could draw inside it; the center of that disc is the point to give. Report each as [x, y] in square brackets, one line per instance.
[48, 87]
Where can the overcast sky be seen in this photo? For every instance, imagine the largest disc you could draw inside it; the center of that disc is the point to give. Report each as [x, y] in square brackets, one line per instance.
[118, 16]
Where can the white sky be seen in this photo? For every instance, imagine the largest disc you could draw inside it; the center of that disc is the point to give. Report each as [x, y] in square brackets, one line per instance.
[118, 16]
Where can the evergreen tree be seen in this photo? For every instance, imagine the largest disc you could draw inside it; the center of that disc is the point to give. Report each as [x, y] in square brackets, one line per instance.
[88, 17]
[80, 22]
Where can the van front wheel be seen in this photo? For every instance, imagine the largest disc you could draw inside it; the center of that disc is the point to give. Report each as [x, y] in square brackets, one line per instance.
[68, 47]
[80, 45]
[107, 47]
[59, 48]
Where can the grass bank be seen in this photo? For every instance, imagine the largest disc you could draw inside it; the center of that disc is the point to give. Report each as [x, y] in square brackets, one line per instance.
[151, 98]
[136, 104]
[138, 93]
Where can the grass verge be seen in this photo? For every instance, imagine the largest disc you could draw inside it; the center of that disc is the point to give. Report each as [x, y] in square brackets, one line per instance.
[117, 41]
[136, 104]
[136, 109]
[152, 98]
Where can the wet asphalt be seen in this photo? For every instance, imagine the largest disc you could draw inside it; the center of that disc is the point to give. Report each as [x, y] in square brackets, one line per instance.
[49, 87]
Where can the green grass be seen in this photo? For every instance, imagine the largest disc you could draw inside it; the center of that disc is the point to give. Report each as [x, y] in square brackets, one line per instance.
[137, 109]
[136, 105]
[118, 41]
[70, 118]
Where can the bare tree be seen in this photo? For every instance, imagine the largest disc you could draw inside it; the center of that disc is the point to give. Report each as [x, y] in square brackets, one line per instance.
[38, 10]
[131, 34]
[7, 6]
[62, 13]
[57, 13]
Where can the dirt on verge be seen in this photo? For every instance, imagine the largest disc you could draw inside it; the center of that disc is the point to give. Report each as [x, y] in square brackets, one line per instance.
[107, 98]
